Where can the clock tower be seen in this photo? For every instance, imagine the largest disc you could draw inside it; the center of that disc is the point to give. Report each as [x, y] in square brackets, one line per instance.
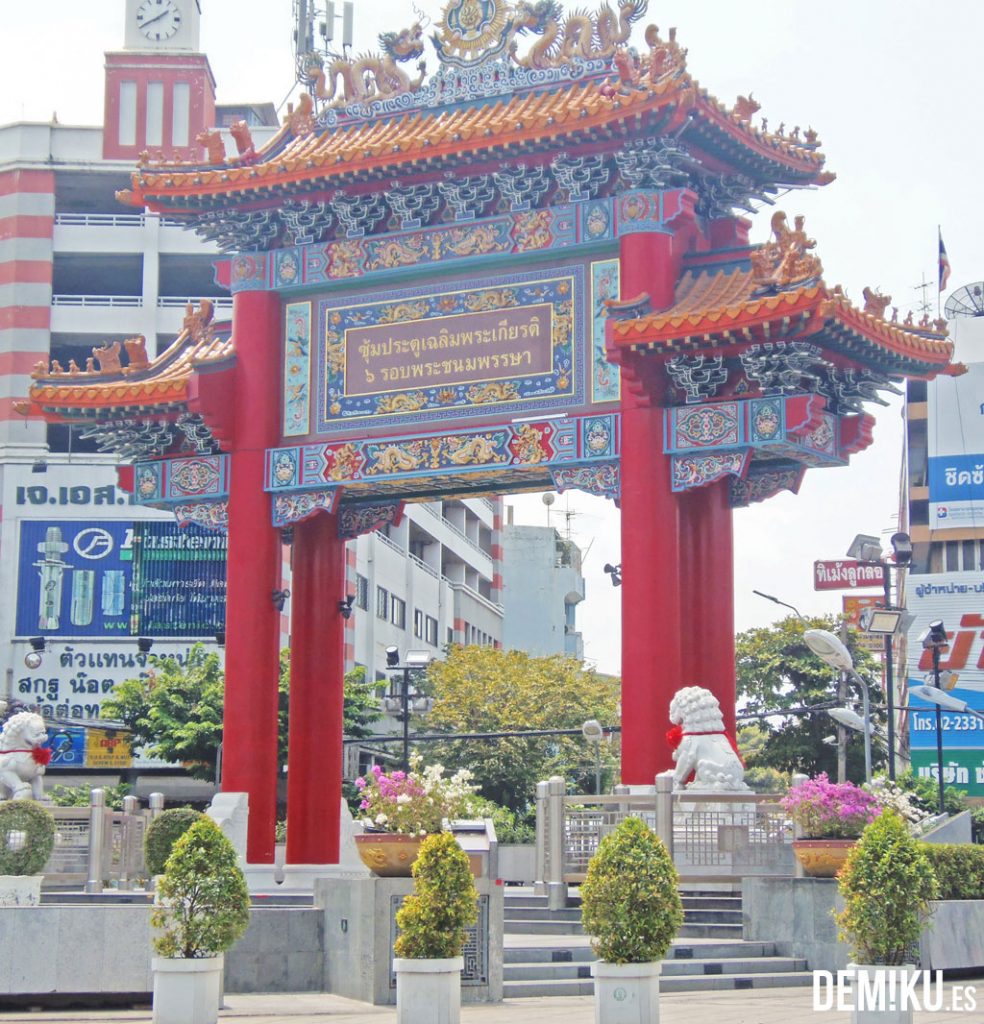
[160, 92]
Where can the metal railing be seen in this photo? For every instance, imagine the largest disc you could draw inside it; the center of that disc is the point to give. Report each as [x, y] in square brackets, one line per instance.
[222, 305]
[125, 301]
[711, 836]
[96, 846]
[99, 220]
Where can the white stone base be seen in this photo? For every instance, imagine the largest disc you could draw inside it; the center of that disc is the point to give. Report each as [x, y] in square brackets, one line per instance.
[300, 877]
[626, 993]
[885, 1016]
[428, 991]
[187, 991]
[20, 890]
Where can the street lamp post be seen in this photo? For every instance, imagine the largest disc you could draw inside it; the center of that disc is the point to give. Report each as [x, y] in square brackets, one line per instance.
[866, 548]
[935, 639]
[831, 650]
[416, 661]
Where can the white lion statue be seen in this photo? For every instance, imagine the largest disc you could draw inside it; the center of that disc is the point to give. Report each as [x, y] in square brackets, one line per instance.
[703, 750]
[22, 758]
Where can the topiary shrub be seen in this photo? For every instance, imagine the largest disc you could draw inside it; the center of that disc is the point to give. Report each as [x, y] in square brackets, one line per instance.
[163, 832]
[887, 883]
[204, 901]
[444, 902]
[630, 899]
[38, 827]
[959, 869]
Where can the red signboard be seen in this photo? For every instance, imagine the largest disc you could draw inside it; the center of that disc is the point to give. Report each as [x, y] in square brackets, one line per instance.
[847, 574]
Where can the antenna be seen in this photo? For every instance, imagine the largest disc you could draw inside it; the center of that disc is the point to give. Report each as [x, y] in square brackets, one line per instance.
[923, 305]
[966, 301]
[324, 14]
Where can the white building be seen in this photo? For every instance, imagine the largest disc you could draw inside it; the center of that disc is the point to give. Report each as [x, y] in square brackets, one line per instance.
[78, 270]
[543, 587]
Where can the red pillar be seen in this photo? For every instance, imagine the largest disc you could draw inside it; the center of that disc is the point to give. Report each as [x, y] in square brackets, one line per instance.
[249, 743]
[651, 598]
[314, 752]
[707, 585]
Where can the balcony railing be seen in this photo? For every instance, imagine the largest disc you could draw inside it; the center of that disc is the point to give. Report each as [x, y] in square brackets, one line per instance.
[222, 305]
[99, 220]
[99, 301]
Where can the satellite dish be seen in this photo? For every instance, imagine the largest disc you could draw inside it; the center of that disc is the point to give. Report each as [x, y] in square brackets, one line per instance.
[548, 499]
[966, 301]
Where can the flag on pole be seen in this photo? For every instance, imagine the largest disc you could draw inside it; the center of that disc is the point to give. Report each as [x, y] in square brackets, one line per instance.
[944, 263]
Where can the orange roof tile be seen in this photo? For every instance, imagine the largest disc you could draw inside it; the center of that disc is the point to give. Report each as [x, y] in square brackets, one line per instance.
[712, 308]
[590, 110]
[163, 382]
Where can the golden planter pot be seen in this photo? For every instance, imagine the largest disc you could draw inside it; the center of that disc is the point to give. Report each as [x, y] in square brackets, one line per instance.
[822, 858]
[387, 853]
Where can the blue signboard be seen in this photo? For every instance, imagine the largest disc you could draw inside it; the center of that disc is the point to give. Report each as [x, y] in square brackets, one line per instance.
[84, 578]
[67, 746]
[959, 730]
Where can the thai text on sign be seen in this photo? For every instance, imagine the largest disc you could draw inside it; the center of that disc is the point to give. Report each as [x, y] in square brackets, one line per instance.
[460, 349]
[847, 574]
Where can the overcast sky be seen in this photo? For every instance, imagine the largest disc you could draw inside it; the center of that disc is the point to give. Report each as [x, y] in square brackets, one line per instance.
[893, 87]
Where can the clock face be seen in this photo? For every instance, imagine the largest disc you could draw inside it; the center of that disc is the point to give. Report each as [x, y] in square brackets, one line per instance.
[158, 19]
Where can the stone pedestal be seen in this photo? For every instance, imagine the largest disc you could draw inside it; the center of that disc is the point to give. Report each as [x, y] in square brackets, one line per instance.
[797, 915]
[359, 932]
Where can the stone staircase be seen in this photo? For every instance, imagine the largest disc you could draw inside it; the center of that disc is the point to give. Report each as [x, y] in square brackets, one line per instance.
[547, 953]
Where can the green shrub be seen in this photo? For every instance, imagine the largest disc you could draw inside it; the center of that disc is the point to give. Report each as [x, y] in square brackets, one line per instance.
[81, 796]
[163, 832]
[38, 825]
[927, 794]
[630, 900]
[977, 824]
[959, 869]
[204, 901]
[767, 780]
[510, 827]
[887, 884]
[444, 902]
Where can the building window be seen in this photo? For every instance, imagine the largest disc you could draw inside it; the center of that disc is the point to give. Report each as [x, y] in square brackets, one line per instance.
[180, 113]
[362, 592]
[398, 612]
[382, 603]
[450, 636]
[128, 113]
[155, 113]
[418, 623]
[430, 630]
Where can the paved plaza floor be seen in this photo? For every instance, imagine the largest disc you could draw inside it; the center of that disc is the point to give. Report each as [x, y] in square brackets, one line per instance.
[767, 1006]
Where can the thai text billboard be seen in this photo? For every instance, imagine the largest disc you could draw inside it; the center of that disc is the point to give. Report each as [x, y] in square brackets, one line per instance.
[955, 427]
[103, 578]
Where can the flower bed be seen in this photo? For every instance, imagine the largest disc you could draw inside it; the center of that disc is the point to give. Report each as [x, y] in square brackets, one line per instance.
[830, 810]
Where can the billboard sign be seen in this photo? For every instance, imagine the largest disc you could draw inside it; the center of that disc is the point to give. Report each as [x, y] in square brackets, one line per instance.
[956, 450]
[958, 600]
[847, 574]
[122, 578]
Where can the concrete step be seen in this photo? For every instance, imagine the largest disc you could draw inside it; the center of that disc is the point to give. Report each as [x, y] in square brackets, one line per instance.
[689, 930]
[578, 970]
[684, 983]
[710, 931]
[736, 949]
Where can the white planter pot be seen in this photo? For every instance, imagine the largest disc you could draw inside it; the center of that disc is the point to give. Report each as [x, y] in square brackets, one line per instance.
[867, 975]
[428, 991]
[187, 991]
[626, 993]
[20, 890]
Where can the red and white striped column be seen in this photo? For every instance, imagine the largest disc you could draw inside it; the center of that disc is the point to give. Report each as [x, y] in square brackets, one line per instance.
[27, 220]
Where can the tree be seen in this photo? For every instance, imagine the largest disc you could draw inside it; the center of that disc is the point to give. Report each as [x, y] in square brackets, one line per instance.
[776, 672]
[482, 689]
[175, 712]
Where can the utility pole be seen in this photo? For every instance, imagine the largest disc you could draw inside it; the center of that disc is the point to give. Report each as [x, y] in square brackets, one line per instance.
[843, 692]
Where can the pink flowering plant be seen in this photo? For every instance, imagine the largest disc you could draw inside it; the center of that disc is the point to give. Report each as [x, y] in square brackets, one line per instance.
[830, 810]
[413, 803]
